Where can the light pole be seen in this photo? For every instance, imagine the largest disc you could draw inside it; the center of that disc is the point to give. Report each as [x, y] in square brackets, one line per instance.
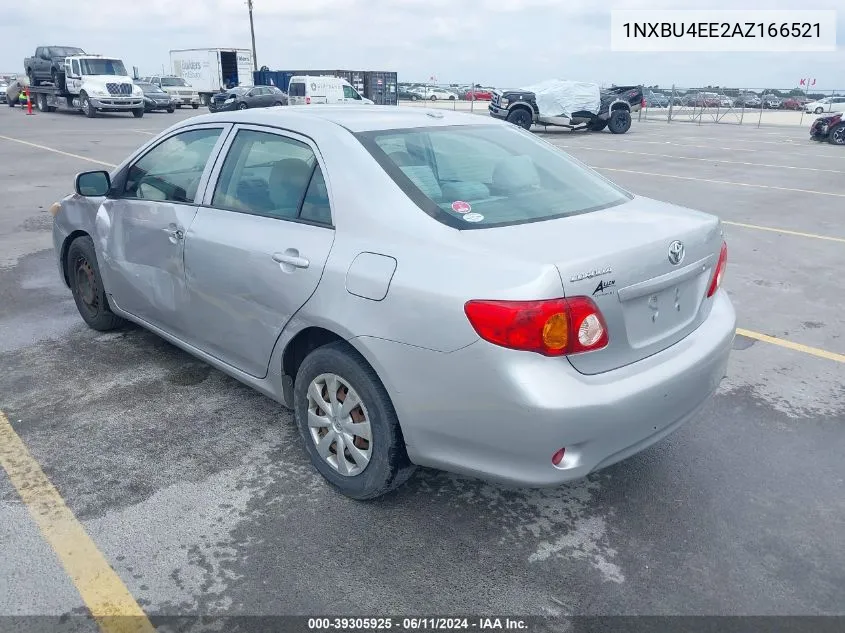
[252, 33]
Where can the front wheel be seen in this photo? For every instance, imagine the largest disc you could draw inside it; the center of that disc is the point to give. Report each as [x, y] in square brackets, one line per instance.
[138, 113]
[521, 117]
[32, 80]
[433, 98]
[242, 106]
[86, 284]
[620, 121]
[171, 109]
[818, 110]
[87, 107]
[348, 423]
[837, 135]
[195, 106]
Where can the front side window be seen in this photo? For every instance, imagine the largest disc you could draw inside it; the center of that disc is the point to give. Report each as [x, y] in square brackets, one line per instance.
[172, 170]
[348, 93]
[75, 68]
[478, 176]
[274, 176]
[103, 67]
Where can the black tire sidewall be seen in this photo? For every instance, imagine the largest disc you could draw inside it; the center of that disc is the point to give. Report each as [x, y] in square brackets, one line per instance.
[388, 454]
[105, 319]
[830, 139]
[615, 116]
[521, 118]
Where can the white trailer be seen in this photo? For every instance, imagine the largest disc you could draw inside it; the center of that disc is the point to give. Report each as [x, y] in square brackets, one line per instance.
[209, 70]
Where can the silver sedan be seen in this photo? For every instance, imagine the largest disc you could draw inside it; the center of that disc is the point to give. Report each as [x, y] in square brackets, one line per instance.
[420, 287]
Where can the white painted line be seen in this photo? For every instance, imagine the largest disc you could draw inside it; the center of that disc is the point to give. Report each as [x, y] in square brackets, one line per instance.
[721, 182]
[706, 160]
[792, 147]
[56, 151]
[757, 227]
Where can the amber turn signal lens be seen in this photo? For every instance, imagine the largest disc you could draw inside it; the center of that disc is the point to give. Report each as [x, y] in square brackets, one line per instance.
[55, 208]
[556, 331]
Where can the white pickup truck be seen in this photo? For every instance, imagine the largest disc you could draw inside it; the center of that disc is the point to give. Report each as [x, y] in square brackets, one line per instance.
[93, 83]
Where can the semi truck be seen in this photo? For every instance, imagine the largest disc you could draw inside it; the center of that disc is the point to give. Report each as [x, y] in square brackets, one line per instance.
[211, 70]
[92, 84]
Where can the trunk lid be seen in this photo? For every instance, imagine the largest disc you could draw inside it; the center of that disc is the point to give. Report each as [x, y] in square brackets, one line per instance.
[620, 258]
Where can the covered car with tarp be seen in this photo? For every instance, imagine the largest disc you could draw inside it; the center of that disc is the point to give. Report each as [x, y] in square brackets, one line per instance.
[572, 104]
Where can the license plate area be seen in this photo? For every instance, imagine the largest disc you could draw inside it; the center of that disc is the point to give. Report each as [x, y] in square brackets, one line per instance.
[654, 316]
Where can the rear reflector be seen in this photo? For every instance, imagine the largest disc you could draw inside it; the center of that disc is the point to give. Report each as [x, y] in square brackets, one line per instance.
[552, 327]
[719, 272]
[557, 458]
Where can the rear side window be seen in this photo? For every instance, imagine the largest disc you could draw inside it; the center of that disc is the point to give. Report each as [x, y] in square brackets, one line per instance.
[478, 176]
[273, 176]
[296, 90]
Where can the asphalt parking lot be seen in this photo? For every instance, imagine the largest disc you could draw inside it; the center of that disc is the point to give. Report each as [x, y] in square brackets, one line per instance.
[197, 493]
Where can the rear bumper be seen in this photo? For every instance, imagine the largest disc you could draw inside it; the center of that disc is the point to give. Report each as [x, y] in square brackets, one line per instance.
[500, 414]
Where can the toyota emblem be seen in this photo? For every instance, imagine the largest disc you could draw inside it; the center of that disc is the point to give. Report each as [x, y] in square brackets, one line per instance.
[676, 252]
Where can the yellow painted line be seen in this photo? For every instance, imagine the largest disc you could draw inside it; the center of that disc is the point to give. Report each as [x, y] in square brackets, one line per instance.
[798, 347]
[705, 160]
[815, 236]
[102, 590]
[55, 151]
[722, 182]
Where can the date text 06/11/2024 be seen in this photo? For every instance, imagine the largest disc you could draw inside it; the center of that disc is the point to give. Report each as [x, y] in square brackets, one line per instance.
[418, 624]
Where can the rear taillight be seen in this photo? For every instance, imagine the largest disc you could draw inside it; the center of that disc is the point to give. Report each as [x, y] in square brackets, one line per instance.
[553, 327]
[307, 100]
[719, 272]
[642, 103]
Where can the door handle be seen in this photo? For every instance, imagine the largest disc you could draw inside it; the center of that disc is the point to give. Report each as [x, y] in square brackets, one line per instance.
[291, 259]
[174, 234]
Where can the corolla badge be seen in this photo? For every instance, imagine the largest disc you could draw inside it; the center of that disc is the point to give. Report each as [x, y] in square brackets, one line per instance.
[676, 252]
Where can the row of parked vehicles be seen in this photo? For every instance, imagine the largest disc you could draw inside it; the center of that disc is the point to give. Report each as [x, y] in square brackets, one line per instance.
[656, 99]
[420, 92]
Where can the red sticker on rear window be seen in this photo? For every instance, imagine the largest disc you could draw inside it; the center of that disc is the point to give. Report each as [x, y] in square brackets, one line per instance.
[461, 207]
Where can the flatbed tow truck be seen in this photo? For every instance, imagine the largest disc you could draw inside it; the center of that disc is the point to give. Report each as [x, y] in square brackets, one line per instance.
[93, 84]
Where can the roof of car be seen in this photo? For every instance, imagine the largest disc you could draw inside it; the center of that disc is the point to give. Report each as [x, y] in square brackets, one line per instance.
[352, 117]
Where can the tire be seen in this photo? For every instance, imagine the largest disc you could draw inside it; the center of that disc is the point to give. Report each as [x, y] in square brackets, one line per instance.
[86, 284]
[242, 106]
[818, 110]
[32, 80]
[388, 466]
[837, 135]
[58, 79]
[171, 109]
[619, 122]
[433, 98]
[195, 106]
[89, 110]
[41, 102]
[138, 113]
[596, 125]
[278, 104]
[521, 117]
[204, 100]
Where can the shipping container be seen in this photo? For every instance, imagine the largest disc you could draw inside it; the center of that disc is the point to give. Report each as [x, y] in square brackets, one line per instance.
[378, 86]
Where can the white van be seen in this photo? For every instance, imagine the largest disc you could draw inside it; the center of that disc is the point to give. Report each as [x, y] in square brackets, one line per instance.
[305, 90]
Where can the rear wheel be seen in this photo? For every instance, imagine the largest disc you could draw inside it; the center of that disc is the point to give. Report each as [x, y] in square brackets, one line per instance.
[620, 121]
[195, 105]
[348, 423]
[818, 110]
[596, 125]
[433, 97]
[86, 284]
[138, 113]
[837, 135]
[171, 109]
[521, 117]
[242, 106]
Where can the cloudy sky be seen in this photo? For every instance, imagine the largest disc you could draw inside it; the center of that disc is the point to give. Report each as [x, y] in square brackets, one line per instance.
[499, 42]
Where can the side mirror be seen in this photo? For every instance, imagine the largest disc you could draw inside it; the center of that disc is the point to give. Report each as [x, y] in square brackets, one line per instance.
[93, 183]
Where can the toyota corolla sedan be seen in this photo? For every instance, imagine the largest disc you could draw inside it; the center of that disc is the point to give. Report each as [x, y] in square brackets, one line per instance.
[421, 287]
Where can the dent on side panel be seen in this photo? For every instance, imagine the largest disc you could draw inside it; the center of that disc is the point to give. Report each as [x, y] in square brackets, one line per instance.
[369, 276]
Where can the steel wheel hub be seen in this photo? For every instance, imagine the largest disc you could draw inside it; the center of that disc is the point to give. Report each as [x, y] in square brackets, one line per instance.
[339, 424]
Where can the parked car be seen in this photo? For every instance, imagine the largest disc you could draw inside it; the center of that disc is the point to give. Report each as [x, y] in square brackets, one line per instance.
[184, 93]
[829, 128]
[155, 98]
[244, 98]
[477, 94]
[3, 87]
[311, 279]
[829, 104]
[406, 94]
[433, 94]
[771, 102]
[655, 99]
[725, 101]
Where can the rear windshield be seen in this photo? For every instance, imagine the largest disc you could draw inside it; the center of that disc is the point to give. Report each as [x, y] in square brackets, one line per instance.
[479, 176]
[296, 89]
[65, 51]
[173, 81]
